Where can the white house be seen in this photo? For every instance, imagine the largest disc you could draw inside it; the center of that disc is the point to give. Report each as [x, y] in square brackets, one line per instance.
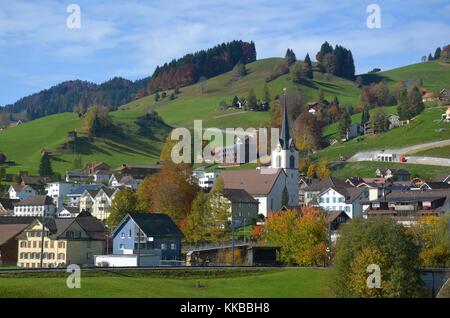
[343, 199]
[68, 212]
[19, 192]
[204, 179]
[40, 205]
[101, 176]
[58, 190]
[87, 199]
[102, 203]
[119, 180]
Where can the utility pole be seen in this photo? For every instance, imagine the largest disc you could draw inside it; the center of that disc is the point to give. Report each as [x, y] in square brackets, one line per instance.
[232, 240]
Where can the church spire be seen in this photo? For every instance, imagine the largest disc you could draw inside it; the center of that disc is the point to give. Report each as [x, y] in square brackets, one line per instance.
[285, 135]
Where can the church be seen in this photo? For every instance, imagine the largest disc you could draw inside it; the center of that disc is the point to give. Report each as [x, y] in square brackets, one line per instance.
[275, 186]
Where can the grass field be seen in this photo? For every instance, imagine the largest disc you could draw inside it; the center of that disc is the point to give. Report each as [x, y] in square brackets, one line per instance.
[367, 169]
[426, 127]
[262, 283]
[440, 152]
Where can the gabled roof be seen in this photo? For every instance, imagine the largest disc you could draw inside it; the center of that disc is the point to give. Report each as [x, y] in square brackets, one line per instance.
[436, 185]
[34, 180]
[239, 196]
[323, 184]
[8, 204]
[333, 215]
[9, 231]
[37, 200]
[153, 224]
[254, 181]
[350, 193]
[443, 177]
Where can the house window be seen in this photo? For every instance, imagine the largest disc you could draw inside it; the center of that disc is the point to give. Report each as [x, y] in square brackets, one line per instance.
[60, 256]
[122, 235]
[173, 246]
[163, 246]
[278, 161]
[69, 234]
[130, 234]
[122, 246]
[347, 209]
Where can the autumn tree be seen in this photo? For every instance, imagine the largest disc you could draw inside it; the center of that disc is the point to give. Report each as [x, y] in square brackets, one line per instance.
[219, 212]
[97, 121]
[124, 202]
[195, 230]
[432, 235]
[322, 170]
[169, 191]
[399, 262]
[307, 132]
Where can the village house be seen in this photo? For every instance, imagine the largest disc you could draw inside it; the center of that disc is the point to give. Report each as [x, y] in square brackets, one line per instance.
[142, 233]
[137, 171]
[316, 186]
[434, 185]
[443, 177]
[10, 228]
[117, 180]
[74, 197]
[77, 177]
[203, 179]
[428, 97]
[394, 174]
[20, 192]
[406, 207]
[102, 203]
[68, 212]
[58, 191]
[347, 199]
[40, 205]
[91, 167]
[444, 95]
[66, 241]
[243, 207]
[101, 176]
[334, 221]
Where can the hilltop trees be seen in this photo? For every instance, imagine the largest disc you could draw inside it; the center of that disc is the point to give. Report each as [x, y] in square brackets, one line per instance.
[337, 61]
[379, 241]
[206, 63]
[290, 57]
[410, 103]
[97, 121]
[45, 166]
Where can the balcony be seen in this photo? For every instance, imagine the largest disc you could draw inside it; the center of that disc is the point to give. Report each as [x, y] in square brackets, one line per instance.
[408, 207]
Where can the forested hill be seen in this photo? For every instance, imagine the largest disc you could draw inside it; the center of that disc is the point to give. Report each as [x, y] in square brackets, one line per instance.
[76, 95]
[203, 64]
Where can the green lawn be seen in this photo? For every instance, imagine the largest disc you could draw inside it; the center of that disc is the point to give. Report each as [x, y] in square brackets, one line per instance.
[441, 152]
[426, 127]
[367, 169]
[264, 283]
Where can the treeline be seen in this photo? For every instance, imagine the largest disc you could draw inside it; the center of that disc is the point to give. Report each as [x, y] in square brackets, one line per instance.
[442, 54]
[206, 63]
[76, 96]
[338, 61]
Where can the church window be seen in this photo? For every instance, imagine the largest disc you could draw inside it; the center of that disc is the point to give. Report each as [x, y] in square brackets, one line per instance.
[292, 162]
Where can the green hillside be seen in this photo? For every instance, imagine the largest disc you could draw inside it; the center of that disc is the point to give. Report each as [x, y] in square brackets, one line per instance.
[23, 144]
[424, 128]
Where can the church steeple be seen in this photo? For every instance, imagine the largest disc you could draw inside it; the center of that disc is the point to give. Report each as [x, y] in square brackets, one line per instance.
[285, 136]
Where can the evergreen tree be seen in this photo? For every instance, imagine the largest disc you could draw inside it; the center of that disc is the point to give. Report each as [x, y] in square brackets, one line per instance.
[251, 101]
[266, 93]
[344, 124]
[365, 116]
[235, 102]
[415, 101]
[437, 54]
[290, 57]
[45, 166]
[308, 67]
[430, 57]
[403, 109]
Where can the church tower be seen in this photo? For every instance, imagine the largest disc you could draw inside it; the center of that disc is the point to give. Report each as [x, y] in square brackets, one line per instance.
[286, 157]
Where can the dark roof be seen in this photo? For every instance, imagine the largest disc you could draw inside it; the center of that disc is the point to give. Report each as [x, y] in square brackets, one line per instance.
[9, 231]
[443, 177]
[393, 170]
[323, 184]
[8, 204]
[333, 215]
[239, 196]
[156, 224]
[438, 185]
[71, 209]
[34, 180]
[36, 201]
[285, 135]
[414, 195]
[16, 219]
[93, 226]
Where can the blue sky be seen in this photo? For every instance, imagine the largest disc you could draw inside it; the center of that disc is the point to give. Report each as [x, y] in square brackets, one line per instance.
[129, 38]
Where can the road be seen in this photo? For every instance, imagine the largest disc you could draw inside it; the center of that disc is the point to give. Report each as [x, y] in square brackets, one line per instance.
[370, 155]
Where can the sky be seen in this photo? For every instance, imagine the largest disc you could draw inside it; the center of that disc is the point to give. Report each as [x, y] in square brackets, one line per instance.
[130, 38]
